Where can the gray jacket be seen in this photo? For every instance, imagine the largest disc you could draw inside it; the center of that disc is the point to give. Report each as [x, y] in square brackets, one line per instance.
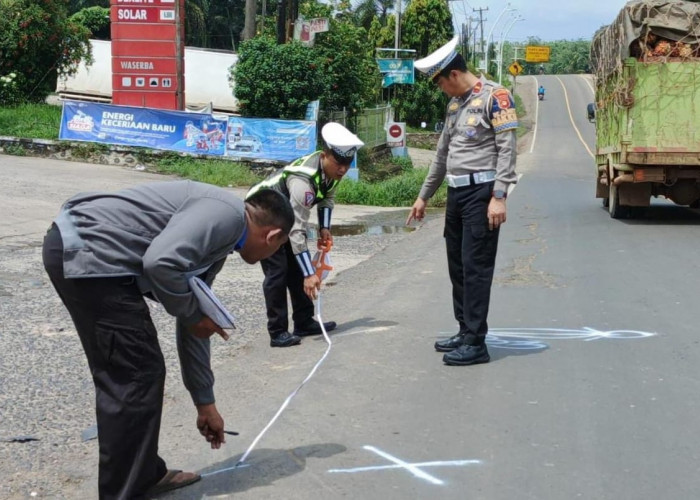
[479, 135]
[161, 233]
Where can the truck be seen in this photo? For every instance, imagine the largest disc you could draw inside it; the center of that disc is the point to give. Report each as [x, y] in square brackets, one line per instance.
[647, 106]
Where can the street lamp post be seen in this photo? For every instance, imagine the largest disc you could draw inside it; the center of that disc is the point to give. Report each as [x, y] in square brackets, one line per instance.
[504, 34]
[507, 8]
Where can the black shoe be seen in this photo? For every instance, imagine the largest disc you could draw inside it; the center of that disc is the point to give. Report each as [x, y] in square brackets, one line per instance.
[314, 328]
[284, 339]
[467, 355]
[450, 344]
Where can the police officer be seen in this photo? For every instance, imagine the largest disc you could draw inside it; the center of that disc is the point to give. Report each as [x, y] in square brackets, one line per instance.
[476, 155]
[309, 181]
[103, 254]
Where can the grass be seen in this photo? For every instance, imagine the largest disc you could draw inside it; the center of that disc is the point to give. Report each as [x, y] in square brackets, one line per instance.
[217, 172]
[36, 121]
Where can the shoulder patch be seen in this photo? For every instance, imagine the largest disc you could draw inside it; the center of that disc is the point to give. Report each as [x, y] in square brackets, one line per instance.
[309, 198]
[502, 99]
[477, 88]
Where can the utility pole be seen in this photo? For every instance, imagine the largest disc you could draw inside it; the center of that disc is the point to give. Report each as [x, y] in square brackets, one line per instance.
[397, 34]
[481, 11]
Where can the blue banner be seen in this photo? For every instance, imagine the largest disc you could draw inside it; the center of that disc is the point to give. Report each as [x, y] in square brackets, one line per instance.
[144, 127]
[396, 71]
[265, 138]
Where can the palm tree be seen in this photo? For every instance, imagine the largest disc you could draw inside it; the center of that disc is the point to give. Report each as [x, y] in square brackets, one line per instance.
[196, 29]
[366, 10]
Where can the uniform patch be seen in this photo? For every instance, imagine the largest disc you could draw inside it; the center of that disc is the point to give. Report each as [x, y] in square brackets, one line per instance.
[504, 120]
[476, 102]
[453, 107]
[502, 98]
[470, 132]
[503, 116]
[472, 120]
[309, 198]
[477, 88]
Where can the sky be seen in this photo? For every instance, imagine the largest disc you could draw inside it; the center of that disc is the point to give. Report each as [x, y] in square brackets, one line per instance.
[548, 20]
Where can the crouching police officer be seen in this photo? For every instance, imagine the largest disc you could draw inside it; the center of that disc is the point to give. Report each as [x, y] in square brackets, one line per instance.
[309, 181]
[476, 153]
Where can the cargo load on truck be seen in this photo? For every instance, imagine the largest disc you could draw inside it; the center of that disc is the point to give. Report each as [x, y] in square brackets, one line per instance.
[647, 109]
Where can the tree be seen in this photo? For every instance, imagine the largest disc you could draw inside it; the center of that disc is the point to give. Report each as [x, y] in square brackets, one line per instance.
[427, 25]
[96, 20]
[277, 81]
[38, 42]
[249, 26]
[368, 10]
[348, 62]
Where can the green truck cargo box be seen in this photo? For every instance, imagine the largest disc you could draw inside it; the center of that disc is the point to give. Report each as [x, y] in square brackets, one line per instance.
[647, 110]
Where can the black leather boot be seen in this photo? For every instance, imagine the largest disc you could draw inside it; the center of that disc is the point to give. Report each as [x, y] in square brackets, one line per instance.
[467, 355]
[284, 339]
[450, 344]
[313, 327]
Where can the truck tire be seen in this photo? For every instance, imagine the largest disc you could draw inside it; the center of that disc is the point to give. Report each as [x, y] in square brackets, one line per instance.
[616, 210]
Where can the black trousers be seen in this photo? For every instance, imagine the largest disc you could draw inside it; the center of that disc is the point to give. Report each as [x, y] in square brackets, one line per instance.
[471, 257]
[127, 366]
[282, 273]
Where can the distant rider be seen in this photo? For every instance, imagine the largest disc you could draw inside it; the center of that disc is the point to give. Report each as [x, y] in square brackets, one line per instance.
[540, 92]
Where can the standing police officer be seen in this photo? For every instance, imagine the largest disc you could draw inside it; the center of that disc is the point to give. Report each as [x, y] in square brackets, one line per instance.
[476, 154]
[309, 181]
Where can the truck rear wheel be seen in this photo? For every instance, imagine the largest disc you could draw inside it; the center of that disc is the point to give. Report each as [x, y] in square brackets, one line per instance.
[616, 211]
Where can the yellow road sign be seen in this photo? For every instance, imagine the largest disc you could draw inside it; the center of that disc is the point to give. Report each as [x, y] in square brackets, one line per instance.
[515, 68]
[537, 53]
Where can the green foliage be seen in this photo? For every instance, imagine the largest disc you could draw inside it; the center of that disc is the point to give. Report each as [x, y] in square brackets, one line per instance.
[10, 93]
[397, 191]
[421, 102]
[277, 81]
[40, 121]
[38, 42]
[566, 57]
[96, 20]
[348, 62]
[427, 25]
[218, 172]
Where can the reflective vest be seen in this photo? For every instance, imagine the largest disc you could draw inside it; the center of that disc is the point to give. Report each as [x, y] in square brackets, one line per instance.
[308, 167]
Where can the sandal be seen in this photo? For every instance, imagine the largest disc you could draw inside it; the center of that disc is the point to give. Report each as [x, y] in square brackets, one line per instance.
[168, 482]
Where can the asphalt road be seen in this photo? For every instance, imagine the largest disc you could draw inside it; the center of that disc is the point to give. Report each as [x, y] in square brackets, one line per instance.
[592, 391]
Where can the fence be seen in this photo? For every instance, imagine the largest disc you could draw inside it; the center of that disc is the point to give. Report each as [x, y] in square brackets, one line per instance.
[368, 124]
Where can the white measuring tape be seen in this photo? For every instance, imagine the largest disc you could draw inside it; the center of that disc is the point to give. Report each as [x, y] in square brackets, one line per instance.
[295, 391]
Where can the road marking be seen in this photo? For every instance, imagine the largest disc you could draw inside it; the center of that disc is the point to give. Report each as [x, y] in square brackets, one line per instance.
[586, 79]
[531, 338]
[413, 468]
[537, 114]
[571, 117]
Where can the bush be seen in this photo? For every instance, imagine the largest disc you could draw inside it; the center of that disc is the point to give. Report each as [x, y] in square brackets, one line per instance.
[38, 42]
[276, 81]
[397, 191]
[10, 94]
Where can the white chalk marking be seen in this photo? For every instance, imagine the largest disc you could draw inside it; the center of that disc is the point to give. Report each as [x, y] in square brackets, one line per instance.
[409, 467]
[447, 463]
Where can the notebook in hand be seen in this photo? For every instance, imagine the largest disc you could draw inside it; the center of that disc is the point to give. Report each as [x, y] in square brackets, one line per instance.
[210, 305]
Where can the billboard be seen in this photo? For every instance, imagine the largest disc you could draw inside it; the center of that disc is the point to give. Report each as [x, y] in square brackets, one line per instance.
[149, 128]
[270, 139]
[199, 133]
[537, 54]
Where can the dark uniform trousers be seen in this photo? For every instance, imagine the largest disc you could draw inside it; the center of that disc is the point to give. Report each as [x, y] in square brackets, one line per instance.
[471, 257]
[127, 366]
[282, 273]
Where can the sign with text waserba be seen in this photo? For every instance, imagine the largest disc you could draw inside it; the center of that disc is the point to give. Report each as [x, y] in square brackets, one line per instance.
[148, 53]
